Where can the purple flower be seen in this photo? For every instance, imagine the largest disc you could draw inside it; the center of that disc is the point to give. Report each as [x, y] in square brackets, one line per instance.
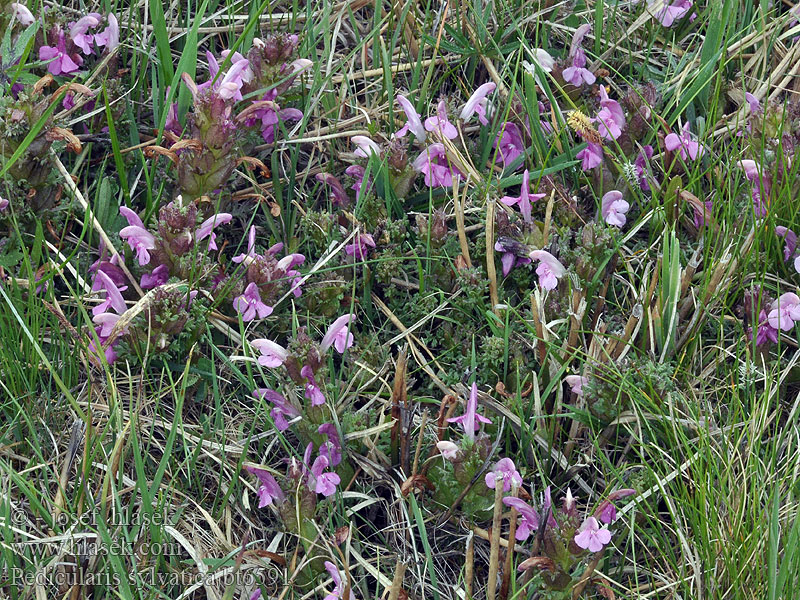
[591, 537]
[109, 37]
[365, 146]
[272, 353]
[357, 172]
[440, 124]
[159, 276]
[766, 332]
[607, 512]
[282, 408]
[470, 420]
[22, 14]
[413, 122]
[139, 239]
[673, 12]
[784, 312]
[640, 163]
[752, 101]
[528, 521]
[591, 156]
[506, 471]
[433, 163]
[509, 144]
[611, 117]
[523, 201]
[269, 491]
[3, 204]
[688, 147]
[576, 383]
[332, 448]
[362, 242]
[312, 392]
[477, 103]
[206, 229]
[338, 335]
[338, 590]
[60, 61]
[789, 239]
[249, 304]
[614, 208]
[338, 196]
[321, 482]
[510, 259]
[550, 270]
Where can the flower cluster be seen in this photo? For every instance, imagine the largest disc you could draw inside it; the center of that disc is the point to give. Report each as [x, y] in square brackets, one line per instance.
[82, 38]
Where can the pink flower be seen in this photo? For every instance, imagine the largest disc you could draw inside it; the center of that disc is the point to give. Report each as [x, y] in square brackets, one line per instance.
[750, 168]
[413, 122]
[477, 103]
[269, 491]
[577, 74]
[139, 239]
[528, 518]
[689, 148]
[78, 32]
[434, 164]
[591, 537]
[447, 449]
[440, 124]
[312, 391]
[321, 482]
[785, 311]
[231, 85]
[22, 14]
[332, 448]
[362, 242]
[591, 156]
[611, 117]
[470, 420]
[282, 407]
[523, 201]
[109, 37]
[338, 335]
[614, 208]
[106, 321]
[113, 299]
[272, 353]
[509, 144]
[60, 61]
[505, 471]
[338, 590]
[251, 244]
[550, 270]
[365, 146]
[249, 304]
[206, 229]
[3, 204]
[576, 383]
[673, 12]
